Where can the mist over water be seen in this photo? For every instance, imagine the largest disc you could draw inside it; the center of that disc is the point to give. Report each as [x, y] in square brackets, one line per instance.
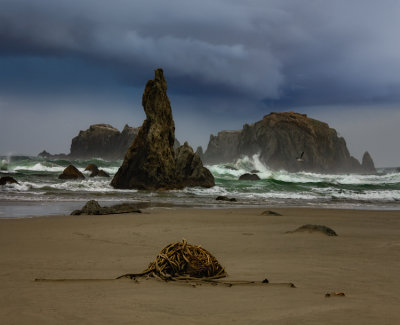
[39, 184]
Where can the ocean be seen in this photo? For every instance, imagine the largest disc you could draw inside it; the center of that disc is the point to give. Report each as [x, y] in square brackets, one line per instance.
[40, 192]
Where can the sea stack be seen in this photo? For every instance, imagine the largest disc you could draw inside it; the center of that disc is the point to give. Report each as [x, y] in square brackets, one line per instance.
[151, 162]
[289, 141]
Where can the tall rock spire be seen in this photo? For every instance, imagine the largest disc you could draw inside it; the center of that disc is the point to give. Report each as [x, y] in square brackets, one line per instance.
[151, 162]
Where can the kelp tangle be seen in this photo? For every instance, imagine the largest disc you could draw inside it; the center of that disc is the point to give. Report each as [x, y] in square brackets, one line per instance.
[182, 261]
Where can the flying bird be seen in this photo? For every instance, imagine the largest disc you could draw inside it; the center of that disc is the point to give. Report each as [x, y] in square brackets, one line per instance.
[300, 158]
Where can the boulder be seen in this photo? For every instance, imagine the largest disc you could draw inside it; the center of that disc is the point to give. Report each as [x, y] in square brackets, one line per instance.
[102, 173]
[151, 162]
[92, 207]
[249, 177]
[7, 180]
[92, 168]
[270, 213]
[315, 228]
[225, 198]
[71, 172]
[95, 171]
[289, 141]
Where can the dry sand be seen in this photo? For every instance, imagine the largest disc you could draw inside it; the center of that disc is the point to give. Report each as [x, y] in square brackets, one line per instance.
[363, 262]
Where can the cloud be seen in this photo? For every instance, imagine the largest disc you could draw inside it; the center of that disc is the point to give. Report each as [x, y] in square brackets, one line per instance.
[285, 50]
[227, 62]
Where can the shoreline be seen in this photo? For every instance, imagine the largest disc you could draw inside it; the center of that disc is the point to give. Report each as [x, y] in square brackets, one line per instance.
[362, 262]
[16, 209]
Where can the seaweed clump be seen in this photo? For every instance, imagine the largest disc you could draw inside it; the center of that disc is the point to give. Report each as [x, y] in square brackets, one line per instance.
[183, 261]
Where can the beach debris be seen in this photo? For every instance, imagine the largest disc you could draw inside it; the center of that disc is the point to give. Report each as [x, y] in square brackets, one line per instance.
[7, 180]
[270, 213]
[315, 228]
[249, 177]
[185, 263]
[71, 172]
[334, 294]
[93, 207]
[182, 261]
[95, 171]
[225, 198]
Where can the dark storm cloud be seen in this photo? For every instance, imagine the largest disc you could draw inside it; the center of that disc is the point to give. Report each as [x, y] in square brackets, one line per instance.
[278, 50]
[227, 62]
[288, 51]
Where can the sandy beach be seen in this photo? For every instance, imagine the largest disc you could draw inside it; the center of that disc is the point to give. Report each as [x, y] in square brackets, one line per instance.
[363, 262]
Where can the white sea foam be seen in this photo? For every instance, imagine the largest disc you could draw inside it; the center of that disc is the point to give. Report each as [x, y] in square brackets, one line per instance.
[40, 167]
[246, 164]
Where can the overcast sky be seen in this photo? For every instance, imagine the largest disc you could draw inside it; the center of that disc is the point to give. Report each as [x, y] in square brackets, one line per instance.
[67, 64]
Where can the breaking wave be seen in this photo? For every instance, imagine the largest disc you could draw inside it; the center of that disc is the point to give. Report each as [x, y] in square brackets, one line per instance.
[38, 181]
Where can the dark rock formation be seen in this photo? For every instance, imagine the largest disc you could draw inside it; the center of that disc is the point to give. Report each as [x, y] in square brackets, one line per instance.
[103, 141]
[95, 171]
[223, 147]
[249, 177]
[367, 163]
[315, 228]
[92, 168]
[151, 162]
[101, 173]
[93, 208]
[190, 170]
[270, 213]
[200, 152]
[280, 138]
[71, 172]
[44, 154]
[225, 198]
[7, 180]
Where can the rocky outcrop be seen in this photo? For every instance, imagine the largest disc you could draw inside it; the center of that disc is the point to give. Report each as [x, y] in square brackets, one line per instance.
[71, 172]
[249, 177]
[7, 180]
[189, 168]
[225, 198]
[44, 154]
[93, 207]
[367, 163]
[102, 141]
[223, 147]
[315, 228]
[95, 171]
[151, 161]
[280, 139]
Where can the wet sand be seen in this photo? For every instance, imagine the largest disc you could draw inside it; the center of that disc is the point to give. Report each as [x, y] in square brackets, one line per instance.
[363, 261]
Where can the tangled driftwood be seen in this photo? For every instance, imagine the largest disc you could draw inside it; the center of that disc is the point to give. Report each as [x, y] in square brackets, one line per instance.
[182, 261]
